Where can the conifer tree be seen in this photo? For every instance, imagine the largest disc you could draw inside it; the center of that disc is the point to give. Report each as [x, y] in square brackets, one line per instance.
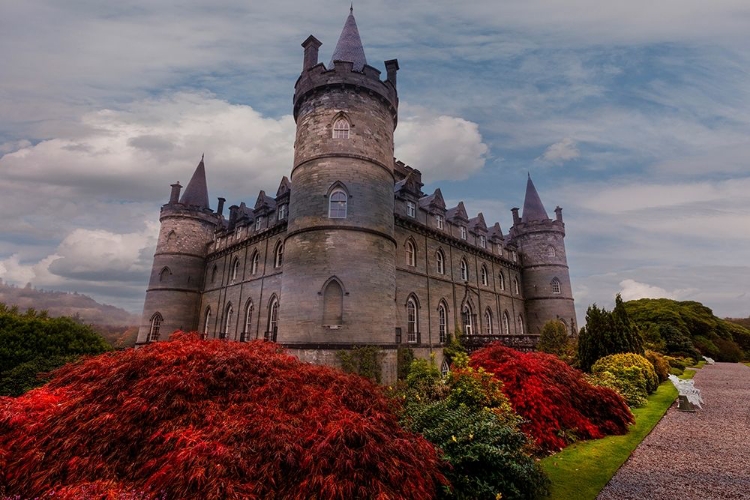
[607, 333]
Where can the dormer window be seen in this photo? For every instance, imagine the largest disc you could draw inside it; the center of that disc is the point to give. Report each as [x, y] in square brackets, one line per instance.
[482, 241]
[411, 209]
[463, 233]
[283, 211]
[439, 221]
[341, 129]
[258, 223]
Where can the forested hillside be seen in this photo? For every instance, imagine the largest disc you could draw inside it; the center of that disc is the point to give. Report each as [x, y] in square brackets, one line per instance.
[686, 327]
[75, 305]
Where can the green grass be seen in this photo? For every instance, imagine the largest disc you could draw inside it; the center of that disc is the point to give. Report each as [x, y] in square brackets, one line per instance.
[582, 469]
[746, 363]
[700, 364]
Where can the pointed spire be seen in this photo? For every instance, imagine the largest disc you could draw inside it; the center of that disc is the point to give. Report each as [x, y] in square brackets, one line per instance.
[196, 192]
[533, 210]
[349, 47]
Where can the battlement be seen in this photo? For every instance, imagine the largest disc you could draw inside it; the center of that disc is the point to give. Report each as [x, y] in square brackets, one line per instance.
[188, 212]
[318, 78]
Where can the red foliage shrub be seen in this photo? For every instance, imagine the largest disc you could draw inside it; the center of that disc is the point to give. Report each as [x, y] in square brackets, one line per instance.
[554, 398]
[212, 420]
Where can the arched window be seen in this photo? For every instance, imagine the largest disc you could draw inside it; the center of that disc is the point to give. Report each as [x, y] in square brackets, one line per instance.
[341, 129]
[501, 279]
[164, 274]
[485, 276]
[464, 270]
[444, 368]
[214, 271]
[488, 322]
[248, 321]
[254, 263]
[273, 320]
[171, 237]
[411, 254]
[467, 315]
[506, 323]
[278, 255]
[153, 333]
[228, 313]
[443, 322]
[520, 325]
[551, 251]
[333, 303]
[337, 204]
[516, 290]
[206, 322]
[235, 269]
[412, 323]
[555, 285]
[440, 260]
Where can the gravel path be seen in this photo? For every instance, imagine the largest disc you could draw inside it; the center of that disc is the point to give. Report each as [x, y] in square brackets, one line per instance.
[702, 455]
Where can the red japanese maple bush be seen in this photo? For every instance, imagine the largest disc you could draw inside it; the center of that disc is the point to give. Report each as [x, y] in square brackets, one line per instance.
[190, 418]
[558, 404]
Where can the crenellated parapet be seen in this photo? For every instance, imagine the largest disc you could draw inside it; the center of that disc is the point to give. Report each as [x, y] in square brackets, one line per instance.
[319, 79]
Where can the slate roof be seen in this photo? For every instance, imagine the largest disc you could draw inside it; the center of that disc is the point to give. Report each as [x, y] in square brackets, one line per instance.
[495, 232]
[196, 192]
[264, 202]
[457, 212]
[533, 210]
[477, 223]
[349, 47]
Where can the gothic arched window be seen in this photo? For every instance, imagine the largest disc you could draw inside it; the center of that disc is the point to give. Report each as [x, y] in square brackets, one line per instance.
[206, 322]
[164, 274]
[156, 321]
[412, 323]
[443, 322]
[411, 254]
[248, 321]
[333, 303]
[467, 315]
[273, 320]
[516, 289]
[278, 255]
[555, 286]
[254, 263]
[485, 276]
[228, 313]
[551, 251]
[501, 279]
[341, 129]
[337, 204]
[440, 261]
[520, 325]
[506, 323]
[464, 270]
[488, 322]
[235, 269]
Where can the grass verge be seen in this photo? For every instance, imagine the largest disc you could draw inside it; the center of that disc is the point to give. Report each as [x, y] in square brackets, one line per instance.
[700, 364]
[582, 469]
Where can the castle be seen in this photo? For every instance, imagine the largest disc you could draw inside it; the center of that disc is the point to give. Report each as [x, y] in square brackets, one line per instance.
[350, 251]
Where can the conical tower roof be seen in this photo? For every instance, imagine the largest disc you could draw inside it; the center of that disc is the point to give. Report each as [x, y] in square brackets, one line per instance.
[196, 192]
[533, 210]
[349, 47]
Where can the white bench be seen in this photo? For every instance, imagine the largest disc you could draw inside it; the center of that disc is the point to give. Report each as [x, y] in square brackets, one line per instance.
[689, 396]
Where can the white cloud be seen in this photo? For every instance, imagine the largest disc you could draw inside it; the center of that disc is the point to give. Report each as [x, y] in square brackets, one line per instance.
[135, 153]
[633, 290]
[561, 152]
[441, 147]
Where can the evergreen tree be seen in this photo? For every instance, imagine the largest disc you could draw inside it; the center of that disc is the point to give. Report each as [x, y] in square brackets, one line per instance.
[607, 333]
[554, 338]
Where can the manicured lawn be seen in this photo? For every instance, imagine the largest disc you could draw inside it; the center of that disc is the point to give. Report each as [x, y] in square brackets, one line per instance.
[700, 364]
[582, 469]
[746, 363]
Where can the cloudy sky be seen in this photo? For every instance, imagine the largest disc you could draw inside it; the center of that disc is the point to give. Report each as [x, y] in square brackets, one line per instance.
[633, 116]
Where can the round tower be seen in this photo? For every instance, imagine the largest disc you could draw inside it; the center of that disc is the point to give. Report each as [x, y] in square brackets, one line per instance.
[339, 260]
[174, 290]
[547, 290]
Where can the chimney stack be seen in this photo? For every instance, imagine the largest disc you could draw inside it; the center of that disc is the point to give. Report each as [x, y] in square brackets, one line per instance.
[174, 196]
[311, 46]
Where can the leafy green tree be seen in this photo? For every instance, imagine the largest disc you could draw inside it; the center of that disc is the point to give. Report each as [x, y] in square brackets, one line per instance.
[607, 333]
[554, 338]
[32, 344]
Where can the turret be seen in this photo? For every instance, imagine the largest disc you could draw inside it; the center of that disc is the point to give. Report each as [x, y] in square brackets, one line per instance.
[173, 295]
[341, 209]
[546, 279]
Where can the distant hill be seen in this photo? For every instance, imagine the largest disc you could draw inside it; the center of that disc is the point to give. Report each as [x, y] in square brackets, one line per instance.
[740, 321]
[114, 324]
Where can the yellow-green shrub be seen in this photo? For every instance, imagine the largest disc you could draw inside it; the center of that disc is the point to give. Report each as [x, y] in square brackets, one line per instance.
[661, 365]
[634, 375]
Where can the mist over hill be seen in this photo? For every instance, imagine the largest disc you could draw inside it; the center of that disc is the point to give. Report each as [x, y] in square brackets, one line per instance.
[113, 323]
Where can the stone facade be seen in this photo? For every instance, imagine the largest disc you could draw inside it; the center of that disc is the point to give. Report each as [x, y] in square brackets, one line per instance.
[350, 251]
